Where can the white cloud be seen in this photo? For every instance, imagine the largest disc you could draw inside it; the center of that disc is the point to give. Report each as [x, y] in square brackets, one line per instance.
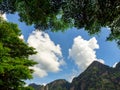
[38, 71]
[114, 65]
[72, 75]
[21, 37]
[83, 52]
[3, 16]
[49, 56]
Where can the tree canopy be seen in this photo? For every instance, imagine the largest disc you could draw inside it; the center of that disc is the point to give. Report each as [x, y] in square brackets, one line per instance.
[14, 62]
[42, 13]
[62, 14]
[94, 14]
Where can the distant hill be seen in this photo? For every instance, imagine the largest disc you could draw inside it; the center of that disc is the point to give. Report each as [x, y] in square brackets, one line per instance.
[37, 87]
[60, 84]
[96, 77]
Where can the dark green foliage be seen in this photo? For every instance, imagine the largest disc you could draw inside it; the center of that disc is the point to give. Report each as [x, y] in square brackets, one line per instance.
[7, 6]
[84, 13]
[94, 14]
[91, 14]
[42, 13]
[62, 14]
[14, 62]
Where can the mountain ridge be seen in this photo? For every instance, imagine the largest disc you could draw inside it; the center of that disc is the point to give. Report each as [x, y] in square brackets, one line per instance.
[96, 77]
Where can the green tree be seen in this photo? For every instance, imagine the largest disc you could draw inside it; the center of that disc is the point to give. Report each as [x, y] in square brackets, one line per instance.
[44, 14]
[62, 14]
[14, 61]
[94, 14]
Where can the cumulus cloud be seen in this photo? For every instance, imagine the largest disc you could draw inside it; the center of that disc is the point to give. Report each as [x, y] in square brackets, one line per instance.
[83, 52]
[49, 55]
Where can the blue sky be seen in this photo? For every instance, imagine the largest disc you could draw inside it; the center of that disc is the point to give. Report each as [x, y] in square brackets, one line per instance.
[64, 55]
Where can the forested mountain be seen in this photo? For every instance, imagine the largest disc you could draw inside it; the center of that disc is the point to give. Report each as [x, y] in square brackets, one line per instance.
[60, 84]
[96, 77]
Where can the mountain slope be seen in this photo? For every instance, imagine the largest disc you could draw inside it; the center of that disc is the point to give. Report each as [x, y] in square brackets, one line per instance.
[37, 87]
[60, 84]
[96, 77]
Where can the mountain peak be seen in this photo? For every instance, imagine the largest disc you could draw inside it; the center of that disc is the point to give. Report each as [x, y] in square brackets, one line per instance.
[96, 63]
